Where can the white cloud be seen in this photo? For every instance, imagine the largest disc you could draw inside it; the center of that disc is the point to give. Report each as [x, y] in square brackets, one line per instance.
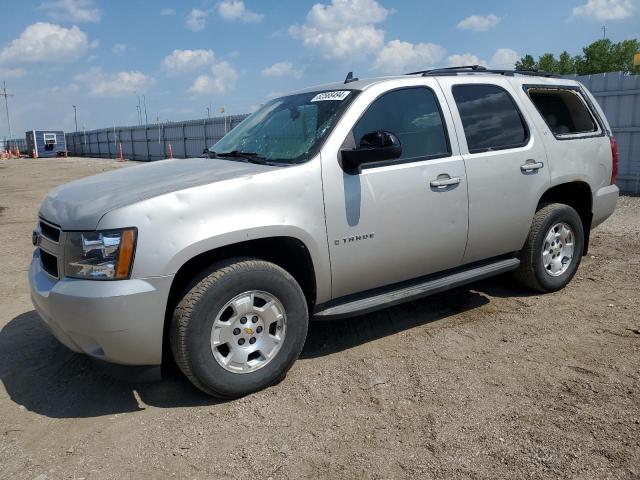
[281, 69]
[605, 9]
[222, 79]
[119, 48]
[343, 28]
[104, 84]
[167, 12]
[463, 59]
[187, 60]
[46, 42]
[479, 23]
[345, 13]
[398, 57]
[72, 11]
[504, 59]
[235, 10]
[197, 19]
[12, 72]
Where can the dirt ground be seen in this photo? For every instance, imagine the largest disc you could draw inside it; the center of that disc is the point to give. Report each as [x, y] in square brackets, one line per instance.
[486, 381]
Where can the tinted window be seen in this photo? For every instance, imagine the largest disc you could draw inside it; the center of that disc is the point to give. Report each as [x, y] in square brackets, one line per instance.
[490, 118]
[414, 116]
[563, 110]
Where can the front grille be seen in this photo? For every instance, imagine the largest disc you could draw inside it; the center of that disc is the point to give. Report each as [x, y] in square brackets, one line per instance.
[50, 232]
[49, 263]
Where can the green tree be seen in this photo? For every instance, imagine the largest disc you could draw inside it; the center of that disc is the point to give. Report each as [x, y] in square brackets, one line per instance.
[605, 56]
[598, 57]
[622, 55]
[526, 63]
[566, 64]
[548, 63]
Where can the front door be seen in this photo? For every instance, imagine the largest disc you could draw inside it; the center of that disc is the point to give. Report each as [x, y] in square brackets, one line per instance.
[398, 219]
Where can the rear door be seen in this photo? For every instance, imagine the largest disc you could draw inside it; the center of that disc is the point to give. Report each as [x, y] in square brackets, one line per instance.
[505, 160]
[392, 222]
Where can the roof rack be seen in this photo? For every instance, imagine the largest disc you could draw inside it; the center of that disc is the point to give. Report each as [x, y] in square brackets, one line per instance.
[481, 69]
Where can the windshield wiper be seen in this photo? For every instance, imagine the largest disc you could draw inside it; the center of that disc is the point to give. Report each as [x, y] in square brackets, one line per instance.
[250, 157]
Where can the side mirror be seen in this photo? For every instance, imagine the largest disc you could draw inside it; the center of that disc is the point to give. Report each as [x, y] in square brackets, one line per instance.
[373, 147]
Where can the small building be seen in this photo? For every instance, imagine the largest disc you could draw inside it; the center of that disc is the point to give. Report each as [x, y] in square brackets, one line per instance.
[46, 143]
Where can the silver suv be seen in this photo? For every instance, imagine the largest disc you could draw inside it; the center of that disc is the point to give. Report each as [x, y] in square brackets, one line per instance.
[334, 201]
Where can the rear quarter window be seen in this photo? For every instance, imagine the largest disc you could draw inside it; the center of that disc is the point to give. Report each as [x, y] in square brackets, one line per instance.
[564, 110]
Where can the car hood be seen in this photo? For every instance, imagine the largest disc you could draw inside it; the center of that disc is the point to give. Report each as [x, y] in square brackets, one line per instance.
[81, 204]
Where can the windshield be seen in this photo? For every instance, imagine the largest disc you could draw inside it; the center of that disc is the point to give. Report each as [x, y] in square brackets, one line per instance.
[288, 129]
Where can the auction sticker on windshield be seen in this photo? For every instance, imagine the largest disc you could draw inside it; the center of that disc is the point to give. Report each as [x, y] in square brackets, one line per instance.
[335, 95]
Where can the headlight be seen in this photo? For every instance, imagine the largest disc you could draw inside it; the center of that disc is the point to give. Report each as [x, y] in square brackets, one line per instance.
[103, 255]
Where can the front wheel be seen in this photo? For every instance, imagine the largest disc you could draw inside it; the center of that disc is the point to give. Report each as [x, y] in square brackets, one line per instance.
[553, 250]
[240, 328]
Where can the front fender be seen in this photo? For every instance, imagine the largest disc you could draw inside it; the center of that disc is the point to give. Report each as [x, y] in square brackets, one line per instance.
[175, 227]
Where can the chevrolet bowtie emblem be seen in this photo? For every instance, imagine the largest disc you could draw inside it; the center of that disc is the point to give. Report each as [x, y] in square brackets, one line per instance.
[248, 331]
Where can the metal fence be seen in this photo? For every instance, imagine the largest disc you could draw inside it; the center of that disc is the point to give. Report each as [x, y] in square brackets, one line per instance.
[153, 141]
[619, 96]
[19, 143]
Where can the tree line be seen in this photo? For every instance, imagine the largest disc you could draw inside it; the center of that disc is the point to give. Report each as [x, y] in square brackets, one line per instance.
[599, 57]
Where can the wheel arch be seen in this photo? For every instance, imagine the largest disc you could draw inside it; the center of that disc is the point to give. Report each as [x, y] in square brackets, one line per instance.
[577, 195]
[290, 253]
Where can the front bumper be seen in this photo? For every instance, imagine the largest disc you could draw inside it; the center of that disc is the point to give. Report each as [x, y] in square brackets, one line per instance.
[116, 321]
[604, 204]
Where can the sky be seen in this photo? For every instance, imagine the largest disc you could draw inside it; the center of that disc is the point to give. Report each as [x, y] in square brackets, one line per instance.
[183, 57]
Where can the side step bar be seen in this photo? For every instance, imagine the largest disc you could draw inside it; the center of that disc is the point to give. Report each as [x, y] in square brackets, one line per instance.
[382, 298]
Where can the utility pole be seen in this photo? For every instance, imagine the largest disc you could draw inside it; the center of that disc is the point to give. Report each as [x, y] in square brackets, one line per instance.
[604, 32]
[144, 99]
[139, 109]
[6, 107]
[75, 117]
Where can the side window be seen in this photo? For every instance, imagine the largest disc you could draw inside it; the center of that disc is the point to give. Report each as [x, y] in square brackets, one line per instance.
[490, 118]
[414, 116]
[564, 110]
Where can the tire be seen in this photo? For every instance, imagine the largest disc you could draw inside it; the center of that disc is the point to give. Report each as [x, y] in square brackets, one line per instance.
[532, 271]
[202, 308]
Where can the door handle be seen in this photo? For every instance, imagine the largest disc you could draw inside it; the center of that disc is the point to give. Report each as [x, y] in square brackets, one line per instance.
[530, 166]
[443, 182]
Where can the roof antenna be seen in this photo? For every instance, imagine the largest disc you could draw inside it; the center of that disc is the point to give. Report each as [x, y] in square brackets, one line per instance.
[350, 78]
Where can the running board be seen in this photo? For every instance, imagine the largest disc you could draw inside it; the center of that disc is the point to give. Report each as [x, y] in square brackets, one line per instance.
[389, 296]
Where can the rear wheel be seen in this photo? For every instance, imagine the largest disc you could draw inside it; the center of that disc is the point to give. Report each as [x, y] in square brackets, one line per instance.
[553, 250]
[239, 328]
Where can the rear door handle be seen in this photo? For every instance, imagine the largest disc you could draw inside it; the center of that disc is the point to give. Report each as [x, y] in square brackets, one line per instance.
[443, 182]
[531, 166]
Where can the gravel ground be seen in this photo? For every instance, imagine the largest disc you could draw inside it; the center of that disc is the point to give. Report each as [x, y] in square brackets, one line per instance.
[487, 381]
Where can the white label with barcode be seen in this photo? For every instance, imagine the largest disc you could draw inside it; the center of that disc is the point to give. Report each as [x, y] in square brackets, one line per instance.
[335, 95]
